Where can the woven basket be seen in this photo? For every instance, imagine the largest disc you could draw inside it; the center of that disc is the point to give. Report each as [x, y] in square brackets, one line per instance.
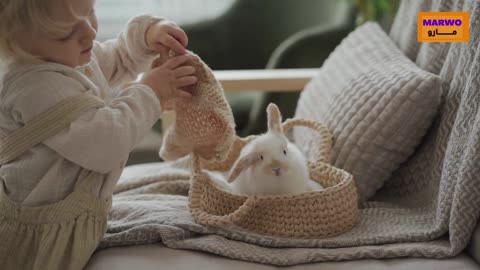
[318, 214]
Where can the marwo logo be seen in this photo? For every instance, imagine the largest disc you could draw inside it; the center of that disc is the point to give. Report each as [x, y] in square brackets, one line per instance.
[442, 27]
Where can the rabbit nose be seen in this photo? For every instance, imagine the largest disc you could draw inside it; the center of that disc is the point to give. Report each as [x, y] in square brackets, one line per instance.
[276, 170]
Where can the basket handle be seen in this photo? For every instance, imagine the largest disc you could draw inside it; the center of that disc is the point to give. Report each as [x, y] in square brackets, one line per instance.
[326, 141]
[198, 183]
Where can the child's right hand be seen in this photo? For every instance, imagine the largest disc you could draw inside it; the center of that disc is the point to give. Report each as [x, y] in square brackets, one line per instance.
[167, 80]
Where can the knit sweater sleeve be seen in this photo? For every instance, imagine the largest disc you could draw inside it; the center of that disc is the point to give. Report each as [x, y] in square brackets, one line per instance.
[123, 58]
[101, 139]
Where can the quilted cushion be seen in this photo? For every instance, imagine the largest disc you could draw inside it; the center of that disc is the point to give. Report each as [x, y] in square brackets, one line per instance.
[377, 103]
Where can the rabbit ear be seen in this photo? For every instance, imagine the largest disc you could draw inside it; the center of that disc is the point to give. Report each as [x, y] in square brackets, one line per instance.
[274, 119]
[242, 164]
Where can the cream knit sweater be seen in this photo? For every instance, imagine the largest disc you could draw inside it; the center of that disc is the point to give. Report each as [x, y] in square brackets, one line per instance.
[101, 139]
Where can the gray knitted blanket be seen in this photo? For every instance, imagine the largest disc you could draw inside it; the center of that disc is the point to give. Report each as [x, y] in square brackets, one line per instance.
[428, 208]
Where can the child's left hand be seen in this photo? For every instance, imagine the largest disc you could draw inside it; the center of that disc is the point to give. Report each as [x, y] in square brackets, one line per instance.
[165, 35]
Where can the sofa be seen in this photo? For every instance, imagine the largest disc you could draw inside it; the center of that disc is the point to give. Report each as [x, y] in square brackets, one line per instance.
[437, 58]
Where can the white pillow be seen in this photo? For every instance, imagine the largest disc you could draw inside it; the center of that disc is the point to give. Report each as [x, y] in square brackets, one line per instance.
[377, 103]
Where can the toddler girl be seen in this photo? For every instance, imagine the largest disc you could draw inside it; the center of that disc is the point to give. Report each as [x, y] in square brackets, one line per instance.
[65, 134]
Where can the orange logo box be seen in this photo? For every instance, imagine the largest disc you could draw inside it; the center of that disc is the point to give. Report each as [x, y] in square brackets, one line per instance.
[442, 26]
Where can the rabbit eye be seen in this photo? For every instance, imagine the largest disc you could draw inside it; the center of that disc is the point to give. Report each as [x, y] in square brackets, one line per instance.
[261, 157]
[285, 152]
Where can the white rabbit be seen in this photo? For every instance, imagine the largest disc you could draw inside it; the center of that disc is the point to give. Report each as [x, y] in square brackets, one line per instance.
[271, 164]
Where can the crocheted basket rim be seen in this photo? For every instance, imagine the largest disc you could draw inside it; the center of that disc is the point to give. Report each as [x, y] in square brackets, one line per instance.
[213, 206]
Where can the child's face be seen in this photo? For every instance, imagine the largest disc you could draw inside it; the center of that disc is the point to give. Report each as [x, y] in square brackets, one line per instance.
[73, 49]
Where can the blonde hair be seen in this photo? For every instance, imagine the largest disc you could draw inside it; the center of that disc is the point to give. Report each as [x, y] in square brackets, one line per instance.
[26, 16]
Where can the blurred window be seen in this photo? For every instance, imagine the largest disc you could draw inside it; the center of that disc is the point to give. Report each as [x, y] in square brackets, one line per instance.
[114, 14]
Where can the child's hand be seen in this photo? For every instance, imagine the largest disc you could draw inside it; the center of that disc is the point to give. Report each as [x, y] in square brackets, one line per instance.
[164, 36]
[167, 79]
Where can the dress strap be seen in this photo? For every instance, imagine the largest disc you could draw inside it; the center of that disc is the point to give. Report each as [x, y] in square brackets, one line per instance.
[46, 125]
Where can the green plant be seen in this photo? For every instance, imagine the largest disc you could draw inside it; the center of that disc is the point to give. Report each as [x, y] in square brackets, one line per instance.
[382, 11]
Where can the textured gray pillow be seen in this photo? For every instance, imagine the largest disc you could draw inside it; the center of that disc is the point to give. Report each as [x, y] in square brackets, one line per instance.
[377, 103]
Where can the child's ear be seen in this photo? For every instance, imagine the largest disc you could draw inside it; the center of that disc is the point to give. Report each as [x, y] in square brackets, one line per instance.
[243, 162]
[274, 119]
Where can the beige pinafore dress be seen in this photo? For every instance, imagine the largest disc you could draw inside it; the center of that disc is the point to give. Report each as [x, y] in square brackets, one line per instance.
[61, 235]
